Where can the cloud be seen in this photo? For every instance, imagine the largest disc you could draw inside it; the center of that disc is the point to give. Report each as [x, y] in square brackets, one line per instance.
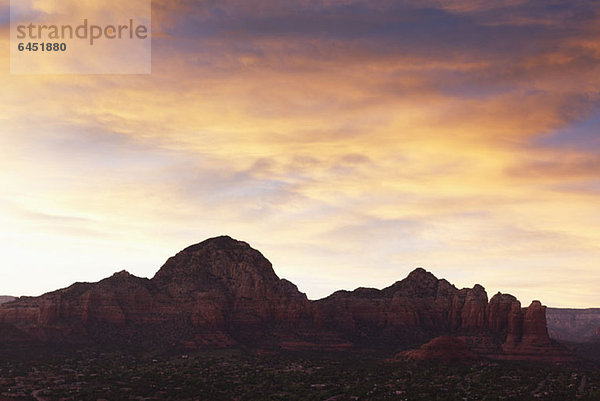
[343, 139]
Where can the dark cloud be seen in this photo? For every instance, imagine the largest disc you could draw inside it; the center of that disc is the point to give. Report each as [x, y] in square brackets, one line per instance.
[389, 28]
[4, 15]
[583, 135]
[510, 46]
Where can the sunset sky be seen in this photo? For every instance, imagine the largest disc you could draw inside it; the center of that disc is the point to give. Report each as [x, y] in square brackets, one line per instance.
[350, 141]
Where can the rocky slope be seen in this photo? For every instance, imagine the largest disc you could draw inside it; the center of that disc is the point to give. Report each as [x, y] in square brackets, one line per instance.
[443, 348]
[5, 298]
[574, 325]
[421, 307]
[218, 292]
[222, 292]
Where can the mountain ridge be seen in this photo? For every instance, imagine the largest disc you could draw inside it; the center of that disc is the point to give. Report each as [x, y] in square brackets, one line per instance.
[222, 292]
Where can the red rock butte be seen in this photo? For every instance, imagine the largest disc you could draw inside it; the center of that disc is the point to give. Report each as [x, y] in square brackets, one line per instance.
[222, 293]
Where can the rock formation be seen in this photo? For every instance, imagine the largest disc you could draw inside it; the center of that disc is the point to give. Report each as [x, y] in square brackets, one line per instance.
[528, 338]
[218, 292]
[422, 307]
[5, 298]
[222, 292]
[444, 348]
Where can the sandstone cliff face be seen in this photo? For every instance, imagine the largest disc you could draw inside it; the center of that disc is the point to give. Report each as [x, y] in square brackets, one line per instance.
[83, 309]
[221, 292]
[444, 348]
[498, 312]
[528, 337]
[422, 307]
[215, 292]
[413, 309]
[238, 278]
[409, 310]
[473, 316]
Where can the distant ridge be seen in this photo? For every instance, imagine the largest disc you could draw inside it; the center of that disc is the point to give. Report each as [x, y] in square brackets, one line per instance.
[574, 325]
[223, 293]
[6, 298]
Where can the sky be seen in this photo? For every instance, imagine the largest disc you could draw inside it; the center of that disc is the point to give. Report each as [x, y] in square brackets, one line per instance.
[349, 141]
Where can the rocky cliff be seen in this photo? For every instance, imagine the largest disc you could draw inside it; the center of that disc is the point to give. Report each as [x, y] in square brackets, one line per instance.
[222, 292]
[218, 292]
[5, 298]
[421, 307]
[443, 348]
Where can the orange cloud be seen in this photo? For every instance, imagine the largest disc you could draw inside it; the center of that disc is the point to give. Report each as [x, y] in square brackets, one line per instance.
[348, 157]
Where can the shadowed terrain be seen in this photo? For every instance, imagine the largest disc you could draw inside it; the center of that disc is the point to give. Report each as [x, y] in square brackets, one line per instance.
[223, 293]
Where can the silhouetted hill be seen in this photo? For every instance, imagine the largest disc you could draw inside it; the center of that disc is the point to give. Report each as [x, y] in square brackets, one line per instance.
[222, 293]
